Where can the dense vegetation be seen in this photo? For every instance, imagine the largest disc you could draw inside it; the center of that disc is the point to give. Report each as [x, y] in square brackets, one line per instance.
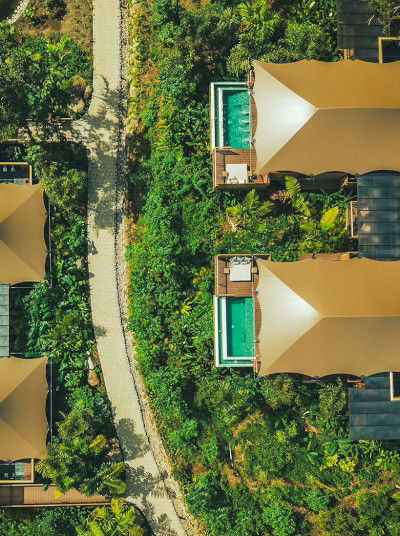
[254, 456]
[41, 78]
[118, 519]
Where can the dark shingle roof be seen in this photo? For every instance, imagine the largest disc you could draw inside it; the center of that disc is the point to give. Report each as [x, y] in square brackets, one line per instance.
[358, 28]
[372, 414]
[378, 195]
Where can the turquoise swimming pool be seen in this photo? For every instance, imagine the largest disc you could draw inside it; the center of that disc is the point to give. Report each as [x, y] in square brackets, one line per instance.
[231, 115]
[235, 331]
[236, 118]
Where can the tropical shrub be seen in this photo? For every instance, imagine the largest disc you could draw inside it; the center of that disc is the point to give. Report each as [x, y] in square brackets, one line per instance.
[77, 457]
[337, 521]
[36, 78]
[281, 519]
[42, 521]
[119, 519]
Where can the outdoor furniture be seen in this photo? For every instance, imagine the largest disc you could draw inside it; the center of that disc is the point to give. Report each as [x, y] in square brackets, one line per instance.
[237, 173]
[240, 270]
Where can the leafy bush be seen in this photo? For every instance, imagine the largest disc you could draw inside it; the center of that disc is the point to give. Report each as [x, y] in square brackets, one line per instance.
[332, 405]
[266, 453]
[278, 391]
[42, 521]
[36, 78]
[336, 522]
[119, 519]
[371, 506]
[65, 186]
[281, 519]
[317, 499]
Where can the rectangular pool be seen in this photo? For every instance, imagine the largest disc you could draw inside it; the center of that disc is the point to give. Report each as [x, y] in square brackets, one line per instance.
[230, 115]
[234, 327]
[236, 118]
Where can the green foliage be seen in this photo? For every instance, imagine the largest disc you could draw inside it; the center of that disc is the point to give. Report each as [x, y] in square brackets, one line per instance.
[388, 12]
[336, 522]
[119, 519]
[281, 519]
[321, 223]
[317, 499]
[78, 456]
[36, 77]
[332, 404]
[249, 212]
[296, 31]
[267, 452]
[65, 186]
[371, 506]
[224, 510]
[42, 521]
[278, 391]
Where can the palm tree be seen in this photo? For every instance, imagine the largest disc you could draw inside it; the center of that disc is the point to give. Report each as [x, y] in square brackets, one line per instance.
[118, 519]
[242, 214]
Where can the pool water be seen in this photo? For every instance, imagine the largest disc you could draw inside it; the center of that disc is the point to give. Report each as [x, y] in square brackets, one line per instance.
[240, 327]
[236, 118]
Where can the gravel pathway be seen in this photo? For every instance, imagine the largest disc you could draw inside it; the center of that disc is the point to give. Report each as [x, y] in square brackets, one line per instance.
[101, 131]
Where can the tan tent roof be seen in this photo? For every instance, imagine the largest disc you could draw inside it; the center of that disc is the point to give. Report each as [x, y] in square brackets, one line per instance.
[23, 392]
[314, 117]
[22, 245]
[323, 317]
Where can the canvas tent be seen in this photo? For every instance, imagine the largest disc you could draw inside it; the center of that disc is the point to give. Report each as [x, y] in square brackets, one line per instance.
[315, 117]
[22, 244]
[322, 317]
[23, 424]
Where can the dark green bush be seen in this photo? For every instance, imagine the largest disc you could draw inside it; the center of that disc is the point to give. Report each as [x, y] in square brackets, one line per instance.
[278, 391]
[280, 518]
[371, 506]
[336, 522]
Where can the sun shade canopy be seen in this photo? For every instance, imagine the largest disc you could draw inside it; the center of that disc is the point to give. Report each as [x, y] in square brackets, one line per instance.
[22, 245]
[23, 424]
[314, 117]
[322, 317]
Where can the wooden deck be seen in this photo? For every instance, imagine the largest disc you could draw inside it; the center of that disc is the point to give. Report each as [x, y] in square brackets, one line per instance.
[26, 495]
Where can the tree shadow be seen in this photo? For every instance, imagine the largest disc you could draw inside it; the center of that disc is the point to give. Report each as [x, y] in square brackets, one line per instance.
[135, 445]
[142, 486]
[99, 131]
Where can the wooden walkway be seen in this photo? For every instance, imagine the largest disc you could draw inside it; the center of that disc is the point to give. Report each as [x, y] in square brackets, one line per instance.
[25, 495]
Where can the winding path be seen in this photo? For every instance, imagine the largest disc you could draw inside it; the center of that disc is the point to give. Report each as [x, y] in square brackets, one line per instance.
[102, 133]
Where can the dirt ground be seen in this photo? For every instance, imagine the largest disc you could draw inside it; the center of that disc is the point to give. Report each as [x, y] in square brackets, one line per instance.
[77, 22]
